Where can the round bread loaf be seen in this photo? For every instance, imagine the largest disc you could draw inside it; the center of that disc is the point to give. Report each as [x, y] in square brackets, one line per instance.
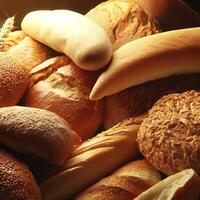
[13, 80]
[123, 21]
[60, 86]
[16, 180]
[38, 132]
[169, 136]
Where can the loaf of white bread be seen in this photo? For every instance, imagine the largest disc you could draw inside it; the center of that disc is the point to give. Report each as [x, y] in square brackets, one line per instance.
[149, 58]
[126, 182]
[93, 160]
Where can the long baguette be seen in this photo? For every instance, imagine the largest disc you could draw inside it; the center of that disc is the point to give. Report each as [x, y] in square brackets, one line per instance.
[126, 182]
[149, 58]
[93, 160]
[86, 43]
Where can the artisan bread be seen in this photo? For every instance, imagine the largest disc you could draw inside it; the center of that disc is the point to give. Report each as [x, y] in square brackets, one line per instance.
[71, 33]
[183, 185]
[125, 183]
[171, 14]
[169, 136]
[13, 80]
[138, 99]
[123, 21]
[93, 160]
[149, 58]
[38, 132]
[16, 180]
[58, 85]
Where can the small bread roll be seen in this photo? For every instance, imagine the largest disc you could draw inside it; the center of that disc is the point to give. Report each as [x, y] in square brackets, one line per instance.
[58, 85]
[13, 80]
[16, 180]
[123, 21]
[38, 132]
[169, 137]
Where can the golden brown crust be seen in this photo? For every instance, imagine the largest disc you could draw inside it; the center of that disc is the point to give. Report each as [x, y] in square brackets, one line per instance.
[169, 136]
[16, 180]
[139, 99]
[38, 132]
[13, 80]
[125, 183]
[27, 51]
[93, 160]
[123, 21]
[61, 87]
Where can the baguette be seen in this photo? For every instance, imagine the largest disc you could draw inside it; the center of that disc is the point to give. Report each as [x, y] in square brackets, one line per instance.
[149, 58]
[86, 43]
[93, 160]
[125, 183]
[181, 186]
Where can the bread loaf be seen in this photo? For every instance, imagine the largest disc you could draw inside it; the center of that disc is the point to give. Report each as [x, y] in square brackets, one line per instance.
[58, 85]
[149, 58]
[123, 21]
[38, 132]
[13, 80]
[125, 183]
[93, 160]
[16, 180]
[71, 33]
[183, 185]
[169, 136]
[171, 14]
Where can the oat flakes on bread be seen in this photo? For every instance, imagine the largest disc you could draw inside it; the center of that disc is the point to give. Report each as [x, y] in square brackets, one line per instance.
[169, 137]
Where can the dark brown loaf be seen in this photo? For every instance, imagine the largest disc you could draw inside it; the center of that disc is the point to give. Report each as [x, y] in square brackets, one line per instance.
[38, 132]
[13, 80]
[60, 86]
[125, 183]
[16, 180]
[171, 14]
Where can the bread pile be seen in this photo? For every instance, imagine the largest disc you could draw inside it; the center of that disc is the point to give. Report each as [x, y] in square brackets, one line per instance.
[103, 106]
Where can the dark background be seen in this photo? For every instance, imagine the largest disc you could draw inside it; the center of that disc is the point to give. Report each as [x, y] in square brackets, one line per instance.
[20, 7]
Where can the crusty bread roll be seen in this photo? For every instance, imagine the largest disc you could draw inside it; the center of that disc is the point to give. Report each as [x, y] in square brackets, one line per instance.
[16, 180]
[38, 132]
[169, 136]
[93, 160]
[171, 14]
[126, 183]
[183, 185]
[26, 50]
[136, 100]
[60, 86]
[13, 80]
[86, 43]
[149, 58]
[123, 21]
